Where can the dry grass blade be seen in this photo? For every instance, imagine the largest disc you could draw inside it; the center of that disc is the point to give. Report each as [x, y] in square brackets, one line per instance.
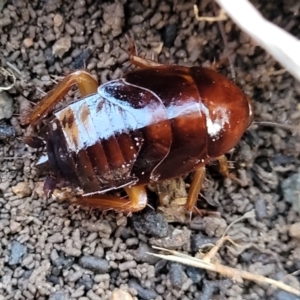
[207, 262]
[220, 17]
[235, 274]
[7, 73]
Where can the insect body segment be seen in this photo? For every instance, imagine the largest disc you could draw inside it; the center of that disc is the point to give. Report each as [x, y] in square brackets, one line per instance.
[155, 123]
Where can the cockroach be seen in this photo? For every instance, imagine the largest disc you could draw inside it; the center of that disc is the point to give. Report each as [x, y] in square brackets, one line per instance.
[154, 123]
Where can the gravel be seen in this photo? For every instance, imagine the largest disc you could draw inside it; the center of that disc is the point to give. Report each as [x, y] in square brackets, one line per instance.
[17, 251]
[177, 275]
[59, 295]
[141, 254]
[96, 264]
[150, 223]
[6, 106]
[51, 250]
[290, 187]
[143, 293]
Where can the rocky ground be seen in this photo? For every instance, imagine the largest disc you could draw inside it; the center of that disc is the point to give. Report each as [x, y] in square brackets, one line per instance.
[58, 251]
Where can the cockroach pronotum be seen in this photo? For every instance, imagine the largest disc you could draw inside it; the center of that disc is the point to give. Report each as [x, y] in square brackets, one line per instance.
[154, 123]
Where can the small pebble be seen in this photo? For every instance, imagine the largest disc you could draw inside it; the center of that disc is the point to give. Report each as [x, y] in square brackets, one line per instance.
[70, 250]
[209, 287]
[294, 230]
[93, 296]
[177, 238]
[146, 294]
[214, 227]
[132, 241]
[118, 294]
[61, 46]
[199, 241]
[74, 276]
[260, 208]
[176, 275]
[103, 228]
[81, 60]
[98, 39]
[6, 132]
[5, 21]
[59, 295]
[86, 281]
[16, 253]
[22, 189]
[4, 186]
[63, 262]
[114, 21]
[93, 263]
[195, 274]
[6, 105]
[186, 284]
[127, 265]
[151, 223]
[101, 277]
[291, 190]
[14, 226]
[141, 255]
[155, 19]
[168, 34]
[282, 295]
[28, 42]
[57, 20]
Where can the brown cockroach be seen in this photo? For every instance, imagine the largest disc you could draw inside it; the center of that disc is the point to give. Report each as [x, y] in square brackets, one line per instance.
[154, 123]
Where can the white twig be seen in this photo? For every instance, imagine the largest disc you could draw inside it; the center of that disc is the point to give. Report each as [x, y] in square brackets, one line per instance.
[284, 47]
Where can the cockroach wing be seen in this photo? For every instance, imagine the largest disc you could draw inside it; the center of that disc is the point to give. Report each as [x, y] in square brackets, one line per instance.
[178, 92]
[150, 129]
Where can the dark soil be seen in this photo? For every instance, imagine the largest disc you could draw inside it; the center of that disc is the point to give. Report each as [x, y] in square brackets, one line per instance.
[51, 250]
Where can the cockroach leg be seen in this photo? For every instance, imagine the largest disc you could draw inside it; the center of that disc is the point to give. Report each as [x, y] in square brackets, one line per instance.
[138, 197]
[137, 200]
[223, 168]
[49, 185]
[143, 62]
[34, 141]
[86, 83]
[138, 61]
[225, 172]
[195, 188]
